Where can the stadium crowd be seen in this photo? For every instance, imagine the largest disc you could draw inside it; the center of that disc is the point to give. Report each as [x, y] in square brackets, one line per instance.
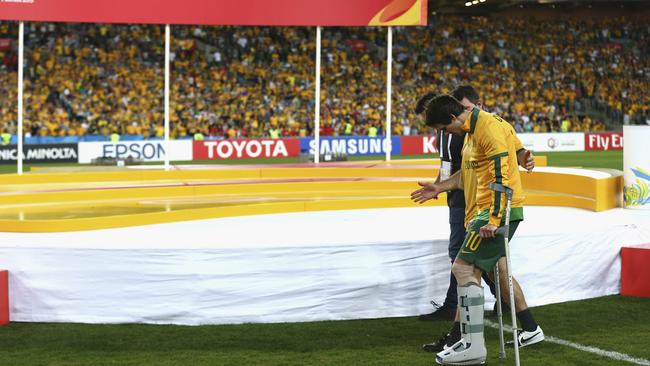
[86, 79]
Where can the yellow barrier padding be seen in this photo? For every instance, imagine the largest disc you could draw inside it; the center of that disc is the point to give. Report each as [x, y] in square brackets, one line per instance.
[55, 202]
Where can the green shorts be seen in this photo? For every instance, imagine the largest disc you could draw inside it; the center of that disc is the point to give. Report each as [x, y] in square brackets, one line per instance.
[484, 253]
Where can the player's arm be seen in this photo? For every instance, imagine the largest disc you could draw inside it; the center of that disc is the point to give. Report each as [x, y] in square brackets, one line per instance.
[494, 143]
[525, 157]
[432, 190]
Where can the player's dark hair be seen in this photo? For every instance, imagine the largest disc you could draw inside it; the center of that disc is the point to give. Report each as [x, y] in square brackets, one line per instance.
[422, 102]
[466, 91]
[441, 108]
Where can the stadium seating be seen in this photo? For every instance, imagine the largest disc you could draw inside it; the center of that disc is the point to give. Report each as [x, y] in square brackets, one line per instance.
[96, 79]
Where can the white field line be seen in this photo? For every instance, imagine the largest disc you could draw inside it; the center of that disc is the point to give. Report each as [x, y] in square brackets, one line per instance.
[581, 347]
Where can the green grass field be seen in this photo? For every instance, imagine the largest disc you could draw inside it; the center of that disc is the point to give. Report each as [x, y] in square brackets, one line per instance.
[613, 323]
[612, 159]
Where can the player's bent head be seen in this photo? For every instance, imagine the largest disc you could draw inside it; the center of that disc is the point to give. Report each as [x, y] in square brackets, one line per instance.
[466, 91]
[441, 110]
[422, 102]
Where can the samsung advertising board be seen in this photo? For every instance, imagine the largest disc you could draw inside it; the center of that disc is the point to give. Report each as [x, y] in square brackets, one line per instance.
[354, 145]
[148, 150]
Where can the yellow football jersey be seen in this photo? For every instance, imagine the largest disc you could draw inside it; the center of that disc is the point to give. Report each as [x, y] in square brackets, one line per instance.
[468, 176]
[490, 155]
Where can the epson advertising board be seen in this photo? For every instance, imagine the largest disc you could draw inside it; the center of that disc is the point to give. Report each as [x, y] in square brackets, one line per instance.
[147, 150]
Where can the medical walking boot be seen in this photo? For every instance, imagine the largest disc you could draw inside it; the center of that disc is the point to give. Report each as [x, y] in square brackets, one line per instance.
[470, 350]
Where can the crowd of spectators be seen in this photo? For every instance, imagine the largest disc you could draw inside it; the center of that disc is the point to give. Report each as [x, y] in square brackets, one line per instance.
[535, 74]
[86, 79]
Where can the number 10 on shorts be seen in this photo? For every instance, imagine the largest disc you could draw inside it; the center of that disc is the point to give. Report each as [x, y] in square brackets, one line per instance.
[474, 241]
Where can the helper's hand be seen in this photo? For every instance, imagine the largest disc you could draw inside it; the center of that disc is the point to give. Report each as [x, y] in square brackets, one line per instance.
[526, 160]
[488, 231]
[427, 192]
[529, 160]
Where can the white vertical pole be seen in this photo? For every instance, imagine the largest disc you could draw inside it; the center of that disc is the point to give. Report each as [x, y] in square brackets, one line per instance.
[21, 49]
[389, 91]
[317, 101]
[166, 143]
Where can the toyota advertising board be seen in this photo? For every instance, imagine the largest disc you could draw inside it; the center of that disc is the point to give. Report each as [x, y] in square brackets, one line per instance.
[245, 148]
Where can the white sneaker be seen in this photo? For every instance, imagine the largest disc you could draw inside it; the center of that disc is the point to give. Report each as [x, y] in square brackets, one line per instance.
[527, 338]
[462, 353]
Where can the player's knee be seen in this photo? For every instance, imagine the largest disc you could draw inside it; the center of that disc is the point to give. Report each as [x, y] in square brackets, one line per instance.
[463, 272]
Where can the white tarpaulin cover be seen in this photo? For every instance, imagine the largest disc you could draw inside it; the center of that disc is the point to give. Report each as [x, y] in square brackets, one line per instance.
[297, 267]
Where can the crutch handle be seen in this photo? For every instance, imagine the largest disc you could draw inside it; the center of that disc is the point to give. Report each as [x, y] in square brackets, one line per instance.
[501, 188]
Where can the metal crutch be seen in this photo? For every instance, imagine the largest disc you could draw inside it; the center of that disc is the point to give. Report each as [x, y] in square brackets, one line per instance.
[506, 231]
[502, 346]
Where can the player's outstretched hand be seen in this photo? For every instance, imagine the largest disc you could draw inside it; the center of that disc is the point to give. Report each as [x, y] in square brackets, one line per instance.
[427, 192]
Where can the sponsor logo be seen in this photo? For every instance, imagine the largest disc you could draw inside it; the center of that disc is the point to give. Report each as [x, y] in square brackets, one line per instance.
[146, 151]
[253, 149]
[638, 192]
[52, 153]
[351, 146]
[237, 149]
[429, 145]
[571, 141]
[40, 153]
[419, 145]
[551, 142]
[523, 340]
[604, 141]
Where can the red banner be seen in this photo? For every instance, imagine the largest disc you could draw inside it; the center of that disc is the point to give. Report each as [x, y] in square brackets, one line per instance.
[249, 148]
[416, 145]
[221, 12]
[603, 141]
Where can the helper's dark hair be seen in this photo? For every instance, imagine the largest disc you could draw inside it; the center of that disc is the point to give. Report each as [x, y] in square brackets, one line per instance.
[441, 108]
[466, 91]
